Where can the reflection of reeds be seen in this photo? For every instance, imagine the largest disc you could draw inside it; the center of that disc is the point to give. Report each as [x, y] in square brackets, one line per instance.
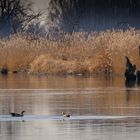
[77, 53]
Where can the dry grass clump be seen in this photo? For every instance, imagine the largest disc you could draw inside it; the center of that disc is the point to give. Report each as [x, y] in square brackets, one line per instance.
[78, 53]
[49, 65]
[18, 51]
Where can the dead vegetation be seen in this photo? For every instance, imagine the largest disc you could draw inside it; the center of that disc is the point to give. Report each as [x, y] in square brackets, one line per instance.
[78, 53]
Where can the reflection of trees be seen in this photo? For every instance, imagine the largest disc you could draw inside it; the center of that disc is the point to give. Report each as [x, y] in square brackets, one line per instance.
[105, 102]
[98, 101]
[129, 91]
[80, 102]
[13, 101]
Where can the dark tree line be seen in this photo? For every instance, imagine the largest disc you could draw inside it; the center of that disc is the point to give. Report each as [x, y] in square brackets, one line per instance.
[15, 15]
[66, 13]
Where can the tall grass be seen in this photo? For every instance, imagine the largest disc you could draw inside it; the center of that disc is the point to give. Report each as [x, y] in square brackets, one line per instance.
[78, 53]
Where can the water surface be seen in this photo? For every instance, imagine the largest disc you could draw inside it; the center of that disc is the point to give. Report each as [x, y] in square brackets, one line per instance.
[101, 108]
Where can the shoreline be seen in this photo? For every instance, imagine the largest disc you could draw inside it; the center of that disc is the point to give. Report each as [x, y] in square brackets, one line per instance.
[65, 75]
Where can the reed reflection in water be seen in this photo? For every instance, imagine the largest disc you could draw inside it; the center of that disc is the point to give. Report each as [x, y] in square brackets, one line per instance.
[44, 98]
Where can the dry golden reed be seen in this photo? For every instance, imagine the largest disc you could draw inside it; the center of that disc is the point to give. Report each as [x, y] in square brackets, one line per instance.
[77, 53]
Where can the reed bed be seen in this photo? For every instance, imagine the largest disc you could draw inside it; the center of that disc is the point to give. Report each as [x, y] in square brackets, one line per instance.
[76, 53]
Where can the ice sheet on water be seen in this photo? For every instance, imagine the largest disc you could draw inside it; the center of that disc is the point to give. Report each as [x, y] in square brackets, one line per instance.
[58, 118]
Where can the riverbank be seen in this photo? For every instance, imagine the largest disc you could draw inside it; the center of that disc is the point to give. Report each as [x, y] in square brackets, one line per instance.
[78, 53]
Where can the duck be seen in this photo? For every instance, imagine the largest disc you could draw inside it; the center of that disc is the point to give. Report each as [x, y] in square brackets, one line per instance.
[67, 115]
[17, 115]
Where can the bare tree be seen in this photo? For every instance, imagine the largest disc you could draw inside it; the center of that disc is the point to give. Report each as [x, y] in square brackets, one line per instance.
[15, 15]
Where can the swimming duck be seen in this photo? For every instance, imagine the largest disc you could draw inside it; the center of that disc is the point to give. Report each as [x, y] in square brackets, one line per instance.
[17, 115]
[65, 114]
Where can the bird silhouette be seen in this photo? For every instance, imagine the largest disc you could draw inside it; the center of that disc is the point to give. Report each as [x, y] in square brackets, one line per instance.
[17, 115]
[65, 114]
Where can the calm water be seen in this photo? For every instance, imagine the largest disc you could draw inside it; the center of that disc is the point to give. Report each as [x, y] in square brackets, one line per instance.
[101, 108]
